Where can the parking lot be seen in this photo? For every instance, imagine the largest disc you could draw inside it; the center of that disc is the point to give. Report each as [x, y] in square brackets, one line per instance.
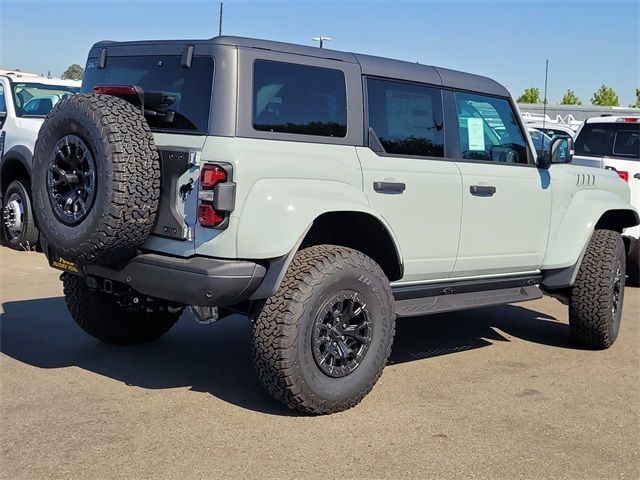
[494, 393]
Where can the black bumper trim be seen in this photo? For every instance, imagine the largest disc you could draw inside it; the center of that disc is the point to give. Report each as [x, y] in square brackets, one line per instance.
[198, 281]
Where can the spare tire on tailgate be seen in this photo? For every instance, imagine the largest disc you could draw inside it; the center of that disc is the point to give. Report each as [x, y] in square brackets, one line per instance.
[96, 180]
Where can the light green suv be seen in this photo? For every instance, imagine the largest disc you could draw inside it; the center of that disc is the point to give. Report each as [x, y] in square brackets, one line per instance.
[322, 194]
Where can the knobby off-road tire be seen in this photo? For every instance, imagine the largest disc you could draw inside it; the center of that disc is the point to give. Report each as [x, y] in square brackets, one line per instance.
[17, 212]
[321, 282]
[118, 174]
[633, 264]
[595, 306]
[101, 317]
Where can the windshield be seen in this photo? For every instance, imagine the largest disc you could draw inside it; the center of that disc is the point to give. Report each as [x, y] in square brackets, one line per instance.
[175, 98]
[36, 99]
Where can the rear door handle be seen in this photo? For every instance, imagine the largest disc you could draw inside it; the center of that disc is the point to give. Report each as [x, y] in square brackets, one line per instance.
[389, 187]
[482, 190]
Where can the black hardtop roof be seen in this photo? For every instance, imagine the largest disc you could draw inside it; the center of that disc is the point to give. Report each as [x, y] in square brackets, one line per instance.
[370, 65]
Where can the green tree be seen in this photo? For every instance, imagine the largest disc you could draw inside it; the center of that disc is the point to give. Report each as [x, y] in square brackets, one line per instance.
[637, 104]
[605, 97]
[530, 95]
[570, 98]
[74, 72]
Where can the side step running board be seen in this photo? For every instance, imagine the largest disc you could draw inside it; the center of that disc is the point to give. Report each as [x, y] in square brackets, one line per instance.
[461, 301]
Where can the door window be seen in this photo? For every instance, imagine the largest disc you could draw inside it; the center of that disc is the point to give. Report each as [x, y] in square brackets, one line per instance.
[407, 118]
[489, 130]
[302, 99]
[3, 105]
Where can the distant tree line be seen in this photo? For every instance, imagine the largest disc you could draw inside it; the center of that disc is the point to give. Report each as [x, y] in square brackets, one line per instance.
[603, 97]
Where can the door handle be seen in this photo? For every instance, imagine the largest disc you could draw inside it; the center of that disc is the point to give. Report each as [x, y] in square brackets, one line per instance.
[637, 176]
[482, 190]
[389, 187]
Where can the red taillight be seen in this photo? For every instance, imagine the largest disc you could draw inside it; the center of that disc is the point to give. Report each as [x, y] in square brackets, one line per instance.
[115, 89]
[210, 176]
[623, 175]
[207, 216]
[629, 120]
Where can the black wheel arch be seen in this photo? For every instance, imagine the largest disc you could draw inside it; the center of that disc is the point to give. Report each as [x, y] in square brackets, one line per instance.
[15, 165]
[365, 233]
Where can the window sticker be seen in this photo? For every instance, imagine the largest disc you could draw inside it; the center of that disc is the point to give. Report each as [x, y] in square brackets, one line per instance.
[475, 129]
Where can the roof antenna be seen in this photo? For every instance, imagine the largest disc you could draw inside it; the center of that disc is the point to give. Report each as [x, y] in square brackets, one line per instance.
[220, 24]
[544, 106]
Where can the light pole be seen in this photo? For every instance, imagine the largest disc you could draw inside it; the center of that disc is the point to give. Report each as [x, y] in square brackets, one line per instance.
[321, 39]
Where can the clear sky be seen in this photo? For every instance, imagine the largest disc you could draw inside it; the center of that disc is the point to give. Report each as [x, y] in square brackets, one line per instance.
[588, 43]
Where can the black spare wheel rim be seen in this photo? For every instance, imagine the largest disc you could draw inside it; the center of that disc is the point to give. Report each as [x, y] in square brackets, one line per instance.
[71, 180]
[342, 334]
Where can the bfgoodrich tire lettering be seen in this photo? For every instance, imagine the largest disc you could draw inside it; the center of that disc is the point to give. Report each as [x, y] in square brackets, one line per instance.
[595, 306]
[126, 189]
[282, 334]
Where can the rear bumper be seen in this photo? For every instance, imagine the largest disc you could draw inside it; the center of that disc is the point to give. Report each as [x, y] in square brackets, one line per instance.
[198, 281]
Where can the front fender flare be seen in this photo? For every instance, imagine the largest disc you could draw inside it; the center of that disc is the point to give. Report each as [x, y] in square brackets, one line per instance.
[566, 248]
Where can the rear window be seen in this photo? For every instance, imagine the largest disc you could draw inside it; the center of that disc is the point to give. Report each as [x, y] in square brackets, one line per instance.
[301, 99]
[609, 140]
[176, 98]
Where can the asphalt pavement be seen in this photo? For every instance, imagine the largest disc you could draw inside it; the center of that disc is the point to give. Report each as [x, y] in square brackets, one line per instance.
[495, 393]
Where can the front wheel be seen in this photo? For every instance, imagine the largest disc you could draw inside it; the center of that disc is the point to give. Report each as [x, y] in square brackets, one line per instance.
[18, 225]
[116, 319]
[321, 342]
[595, 306]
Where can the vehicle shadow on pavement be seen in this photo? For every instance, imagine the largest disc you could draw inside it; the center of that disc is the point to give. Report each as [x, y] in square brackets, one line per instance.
[216, 359]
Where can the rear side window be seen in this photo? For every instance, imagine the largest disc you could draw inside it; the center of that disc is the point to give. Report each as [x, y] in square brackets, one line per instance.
[175, 98]
[3, 105]
[299, 99]
[407, 118]
[489, 130]
[609, 140]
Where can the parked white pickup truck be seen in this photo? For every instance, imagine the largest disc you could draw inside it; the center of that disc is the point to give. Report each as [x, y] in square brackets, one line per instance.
[24, 102]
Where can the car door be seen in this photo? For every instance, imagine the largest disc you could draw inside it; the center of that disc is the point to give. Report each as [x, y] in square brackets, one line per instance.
[407, 177]
[506, 198]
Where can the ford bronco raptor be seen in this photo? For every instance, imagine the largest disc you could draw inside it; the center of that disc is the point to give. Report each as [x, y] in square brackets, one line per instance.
[322, 194]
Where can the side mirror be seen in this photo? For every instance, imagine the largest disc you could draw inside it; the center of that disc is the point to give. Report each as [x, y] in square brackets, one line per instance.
[560, 151]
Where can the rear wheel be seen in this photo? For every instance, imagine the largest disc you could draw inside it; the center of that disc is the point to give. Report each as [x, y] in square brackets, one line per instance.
[120, 320]
[18, 226]
[595, 306]
[321, 342]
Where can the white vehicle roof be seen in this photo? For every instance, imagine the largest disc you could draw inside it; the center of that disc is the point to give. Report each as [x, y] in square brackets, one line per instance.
[44, 81]
[552, 125]
[614, 119]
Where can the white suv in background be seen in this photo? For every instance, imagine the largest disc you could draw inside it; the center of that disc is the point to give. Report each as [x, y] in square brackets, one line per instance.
[24, 102]
[613, 142]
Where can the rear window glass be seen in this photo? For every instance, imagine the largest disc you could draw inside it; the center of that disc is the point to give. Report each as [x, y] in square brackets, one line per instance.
[407, 118]
[176, 98]
[609, 140]
[301, 99]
